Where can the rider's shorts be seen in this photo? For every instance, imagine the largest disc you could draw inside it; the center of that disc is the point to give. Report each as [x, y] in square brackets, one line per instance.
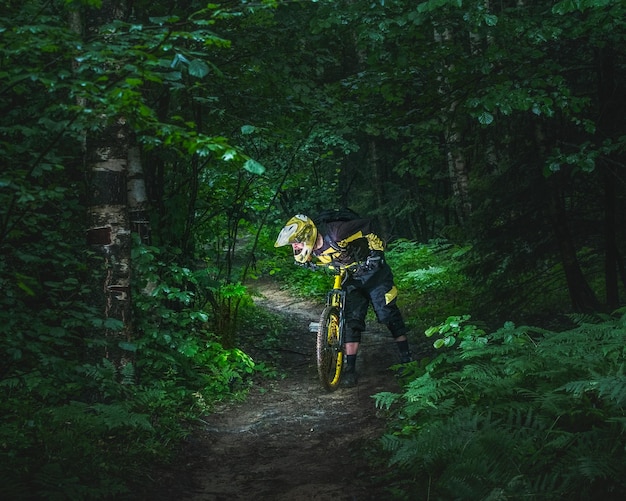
[378, 290]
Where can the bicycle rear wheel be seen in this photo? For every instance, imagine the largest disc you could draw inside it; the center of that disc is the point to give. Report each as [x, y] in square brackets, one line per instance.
[328, 348]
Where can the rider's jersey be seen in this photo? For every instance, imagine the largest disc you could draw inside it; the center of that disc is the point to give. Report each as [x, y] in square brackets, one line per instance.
[347, 242]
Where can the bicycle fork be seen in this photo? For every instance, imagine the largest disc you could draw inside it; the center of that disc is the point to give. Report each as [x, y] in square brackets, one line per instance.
[330, 336]
[336, 299]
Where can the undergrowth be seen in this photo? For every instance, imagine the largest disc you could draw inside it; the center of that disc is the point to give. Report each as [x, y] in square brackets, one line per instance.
[430, 280]
[519, 413]
[75, 426]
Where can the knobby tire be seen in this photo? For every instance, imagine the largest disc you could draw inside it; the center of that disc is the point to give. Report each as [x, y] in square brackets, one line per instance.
[328, 348]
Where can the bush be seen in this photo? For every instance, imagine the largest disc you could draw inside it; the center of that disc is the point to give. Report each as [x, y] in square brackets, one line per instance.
[430, 281]
[520, 413]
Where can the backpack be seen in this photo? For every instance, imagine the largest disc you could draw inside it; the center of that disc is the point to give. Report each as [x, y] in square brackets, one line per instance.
[333, 215]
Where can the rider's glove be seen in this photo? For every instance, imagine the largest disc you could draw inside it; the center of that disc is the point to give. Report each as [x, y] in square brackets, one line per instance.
[374, 260]
[309, 265]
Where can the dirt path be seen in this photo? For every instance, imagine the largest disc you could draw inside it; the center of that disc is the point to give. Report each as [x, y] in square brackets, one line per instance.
[291, 440]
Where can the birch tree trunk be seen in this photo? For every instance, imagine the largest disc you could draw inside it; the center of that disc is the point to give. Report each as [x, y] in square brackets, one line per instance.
[108, 233]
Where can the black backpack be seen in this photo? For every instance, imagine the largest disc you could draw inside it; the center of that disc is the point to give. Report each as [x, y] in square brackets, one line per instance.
[333, 215]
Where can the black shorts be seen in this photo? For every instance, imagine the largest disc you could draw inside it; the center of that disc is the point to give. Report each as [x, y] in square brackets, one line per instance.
[378, 289]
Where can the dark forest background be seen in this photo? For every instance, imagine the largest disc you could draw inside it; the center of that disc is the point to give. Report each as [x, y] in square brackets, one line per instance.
[151, 151]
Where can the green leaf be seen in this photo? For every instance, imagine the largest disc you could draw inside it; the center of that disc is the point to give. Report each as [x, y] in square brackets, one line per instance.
[490, 19]
[229, 154]
[253, 166]
[113, 324]
[430, 331]
[199, 315]
[134, 82]
[485, 118]
[172, 76]
[449, 340]
[198, 68]
[163, 19]
[124, 345]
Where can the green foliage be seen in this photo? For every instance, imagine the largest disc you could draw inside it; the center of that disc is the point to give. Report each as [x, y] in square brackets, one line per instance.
[453, 329]
[308, 283]
[517, 413]
[346, 112]
[177, 334]
[66, 409]
[73, 425]
[430, 279]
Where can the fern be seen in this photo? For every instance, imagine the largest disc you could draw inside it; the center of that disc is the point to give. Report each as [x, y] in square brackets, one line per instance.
[526, 414]
[611, 388]
[385, 399]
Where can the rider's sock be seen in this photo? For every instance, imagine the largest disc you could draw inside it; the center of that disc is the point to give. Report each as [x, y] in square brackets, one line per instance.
[350, 362]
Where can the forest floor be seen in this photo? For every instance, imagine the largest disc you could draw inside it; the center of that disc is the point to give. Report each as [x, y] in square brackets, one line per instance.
[291, 440]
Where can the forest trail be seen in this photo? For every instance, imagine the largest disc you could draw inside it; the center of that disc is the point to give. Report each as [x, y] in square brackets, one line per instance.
[291, 440]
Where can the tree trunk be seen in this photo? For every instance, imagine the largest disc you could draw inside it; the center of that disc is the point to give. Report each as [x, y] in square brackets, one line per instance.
[610, 254]
[457, 166]
[612, 107]
[459, 178]
[108, 233]
[378, 185]
[581, 295]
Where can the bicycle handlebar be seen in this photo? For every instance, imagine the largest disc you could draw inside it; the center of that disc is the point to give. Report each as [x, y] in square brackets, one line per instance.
[336, 269]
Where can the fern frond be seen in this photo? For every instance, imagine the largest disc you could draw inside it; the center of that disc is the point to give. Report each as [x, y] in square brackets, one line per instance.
[128, 374]
[425, 389]
[390, 442]
[117, 416]
[584, 318]
[384, 400]
[612, 388]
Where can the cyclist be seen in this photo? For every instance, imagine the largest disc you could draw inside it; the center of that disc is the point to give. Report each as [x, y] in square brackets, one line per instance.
[351, 244]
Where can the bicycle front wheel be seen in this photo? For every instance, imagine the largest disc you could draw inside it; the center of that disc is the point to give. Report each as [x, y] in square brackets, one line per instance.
[329, 348]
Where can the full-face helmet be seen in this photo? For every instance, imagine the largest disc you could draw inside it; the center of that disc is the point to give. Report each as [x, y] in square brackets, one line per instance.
[300, 229]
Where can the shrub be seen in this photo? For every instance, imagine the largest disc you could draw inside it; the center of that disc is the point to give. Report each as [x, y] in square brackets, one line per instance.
[520, 413]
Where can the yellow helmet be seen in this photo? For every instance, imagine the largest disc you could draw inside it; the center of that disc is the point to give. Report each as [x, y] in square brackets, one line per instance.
[299, 229]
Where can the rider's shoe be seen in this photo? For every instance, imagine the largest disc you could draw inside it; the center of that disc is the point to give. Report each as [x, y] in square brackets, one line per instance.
[349, 378]
[401, 370]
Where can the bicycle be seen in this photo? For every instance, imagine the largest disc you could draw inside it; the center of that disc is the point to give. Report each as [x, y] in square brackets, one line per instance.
[331, 334]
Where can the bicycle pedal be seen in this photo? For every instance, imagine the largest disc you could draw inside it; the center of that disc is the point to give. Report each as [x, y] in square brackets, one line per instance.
[314, 326]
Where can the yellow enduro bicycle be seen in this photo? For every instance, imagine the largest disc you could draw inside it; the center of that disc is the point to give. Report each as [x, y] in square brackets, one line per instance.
[330, 335]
